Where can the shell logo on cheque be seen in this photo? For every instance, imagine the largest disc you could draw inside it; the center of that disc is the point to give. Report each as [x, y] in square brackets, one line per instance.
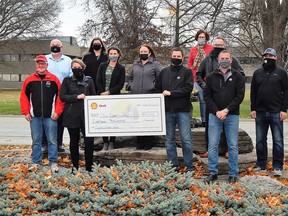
[94, 105]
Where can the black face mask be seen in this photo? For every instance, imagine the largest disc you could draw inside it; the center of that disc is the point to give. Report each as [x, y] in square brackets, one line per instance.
[77, 72]
[216, 51]
[97, 46]
[176, 61]
[55, 49]
[143, 56]
[269, 63]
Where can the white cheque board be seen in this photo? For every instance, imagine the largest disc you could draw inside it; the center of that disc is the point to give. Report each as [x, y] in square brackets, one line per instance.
[125, 115]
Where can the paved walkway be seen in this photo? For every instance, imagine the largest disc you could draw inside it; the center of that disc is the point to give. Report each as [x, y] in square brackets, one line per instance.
[15, 130]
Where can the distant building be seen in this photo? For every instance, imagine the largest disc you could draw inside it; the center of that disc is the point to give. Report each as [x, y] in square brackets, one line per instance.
[17, 57]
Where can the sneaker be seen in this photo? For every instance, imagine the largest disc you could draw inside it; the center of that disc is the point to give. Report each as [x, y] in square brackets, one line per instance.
[34, 167]
[54, 167]
[277, 172]
[211, 178]
[259, 169]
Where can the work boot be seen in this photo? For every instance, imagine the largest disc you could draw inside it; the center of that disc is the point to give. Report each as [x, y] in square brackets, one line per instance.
[204, 155]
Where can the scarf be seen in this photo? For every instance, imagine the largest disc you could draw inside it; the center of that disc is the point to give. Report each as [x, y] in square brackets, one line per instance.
[199, 57]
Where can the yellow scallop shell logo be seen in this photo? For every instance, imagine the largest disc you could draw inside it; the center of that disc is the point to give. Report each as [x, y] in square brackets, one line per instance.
[94, 105]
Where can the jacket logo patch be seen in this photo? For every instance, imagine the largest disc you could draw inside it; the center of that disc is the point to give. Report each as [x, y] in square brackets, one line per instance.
[48, 84]
[178, 77]
[230, 79]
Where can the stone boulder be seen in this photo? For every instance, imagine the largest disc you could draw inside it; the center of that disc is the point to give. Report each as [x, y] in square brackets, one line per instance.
[245, 144]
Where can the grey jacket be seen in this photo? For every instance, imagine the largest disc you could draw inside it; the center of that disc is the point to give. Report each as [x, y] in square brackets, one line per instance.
[143, 77]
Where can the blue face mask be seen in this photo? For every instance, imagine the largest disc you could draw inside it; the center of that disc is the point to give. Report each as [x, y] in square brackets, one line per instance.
[224, 63]
[113, 58]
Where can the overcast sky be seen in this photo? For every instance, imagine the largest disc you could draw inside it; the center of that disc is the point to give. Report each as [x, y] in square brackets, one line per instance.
[72, 17]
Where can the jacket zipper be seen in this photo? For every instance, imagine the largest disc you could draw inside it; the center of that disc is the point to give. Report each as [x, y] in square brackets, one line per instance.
[42, 100]
[142, 79]
[69, 107]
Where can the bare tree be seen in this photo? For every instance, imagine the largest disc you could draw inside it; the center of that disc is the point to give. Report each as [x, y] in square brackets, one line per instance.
[187, 16]
[125, 23]
[27, 17]
[254, 25]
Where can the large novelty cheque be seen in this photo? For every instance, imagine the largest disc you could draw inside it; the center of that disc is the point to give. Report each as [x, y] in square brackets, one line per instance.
[125, 115]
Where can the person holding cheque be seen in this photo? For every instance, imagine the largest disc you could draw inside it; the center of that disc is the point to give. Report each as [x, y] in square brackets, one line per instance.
[176, 84]
[74, 89]
[110, 80]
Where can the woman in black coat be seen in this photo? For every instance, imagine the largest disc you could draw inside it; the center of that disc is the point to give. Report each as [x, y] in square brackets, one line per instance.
[110, 80]
[95, 56]
[73, 91]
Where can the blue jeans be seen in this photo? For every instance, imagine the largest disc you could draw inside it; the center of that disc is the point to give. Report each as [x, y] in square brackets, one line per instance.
[184, 126]
[37, 126]
[230, 125]
[201, 101]
[263, 121]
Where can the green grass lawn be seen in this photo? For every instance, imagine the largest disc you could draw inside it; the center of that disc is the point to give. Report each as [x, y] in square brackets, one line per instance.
[9, 104]
[244, 107]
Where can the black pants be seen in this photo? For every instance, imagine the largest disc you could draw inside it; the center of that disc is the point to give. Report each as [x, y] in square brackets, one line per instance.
[145, 142]
[74, 134]
[106, 139]
[223, 135]
[60, 132]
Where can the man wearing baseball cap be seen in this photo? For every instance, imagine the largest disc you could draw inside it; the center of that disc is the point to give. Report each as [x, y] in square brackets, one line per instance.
[41, 105]
[269, 103]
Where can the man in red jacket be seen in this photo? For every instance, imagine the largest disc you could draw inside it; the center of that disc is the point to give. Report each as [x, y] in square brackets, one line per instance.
[41, 105]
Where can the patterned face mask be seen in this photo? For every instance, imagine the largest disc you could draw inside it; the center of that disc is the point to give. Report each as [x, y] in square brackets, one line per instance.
[113, 58]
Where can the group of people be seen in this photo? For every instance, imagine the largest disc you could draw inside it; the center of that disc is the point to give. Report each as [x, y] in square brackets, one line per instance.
[221, 87]
[53, 98]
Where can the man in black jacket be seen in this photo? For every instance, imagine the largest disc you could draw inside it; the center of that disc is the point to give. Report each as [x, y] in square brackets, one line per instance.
[224, 92]
[269, 103]
[176, 84]
[207, 66]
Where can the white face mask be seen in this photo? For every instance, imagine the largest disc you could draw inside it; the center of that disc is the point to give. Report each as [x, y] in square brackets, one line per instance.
[201, 41]
[41, 70]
